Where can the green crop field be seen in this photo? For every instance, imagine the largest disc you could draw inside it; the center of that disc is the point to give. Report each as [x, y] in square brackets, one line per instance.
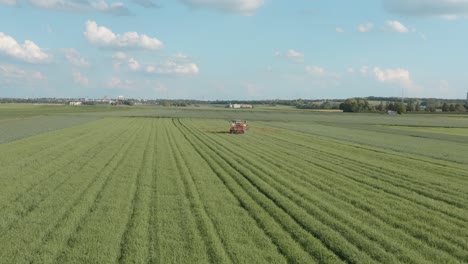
[171, 185]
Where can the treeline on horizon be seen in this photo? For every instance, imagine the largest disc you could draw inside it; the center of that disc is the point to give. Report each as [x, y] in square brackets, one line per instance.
[366, 104]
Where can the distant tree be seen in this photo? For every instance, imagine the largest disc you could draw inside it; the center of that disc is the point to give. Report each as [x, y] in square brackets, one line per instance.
[417, 107]
[459, 108]
[380, 107]
[430, 106]
[326, 105]
[356, 105]
[390, 107]
[452, 108]
[445, 107]
[400, 108]
[410, 106]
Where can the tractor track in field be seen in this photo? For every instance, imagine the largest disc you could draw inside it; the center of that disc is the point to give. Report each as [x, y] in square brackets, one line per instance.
[232, 146]
[297, 172]
[79, 199]
[212, 239]
[48, 236]
[285, 183]
[305, 221]
[50, 150]
[397, 154]
[334, 163]
[151, 190]
[304, 138]
[136, 199]
[398, 176]
[98, 195]
[252, 208]
[41, 196]
[305, 238]
[153, 248]
[460, 244]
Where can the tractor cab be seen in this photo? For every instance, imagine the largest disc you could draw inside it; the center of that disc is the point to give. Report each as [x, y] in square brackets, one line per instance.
[238, 127]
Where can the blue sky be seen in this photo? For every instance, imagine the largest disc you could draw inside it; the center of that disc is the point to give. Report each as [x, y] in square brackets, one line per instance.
[233, 49]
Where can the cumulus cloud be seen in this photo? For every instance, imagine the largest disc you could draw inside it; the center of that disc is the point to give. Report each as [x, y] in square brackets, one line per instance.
[119, 55]
[115, 8]
[436, 8]
[59, 4]
[12, 73]
[134, 64]
[295, 55]
[104, 37]
[397, 26]
[172, 67]
[80, 79]
[398, 76]
[364, 69]
[291, 55]
[28, 51]
[9, 2]
[392, 75]
[339, 30]
[243, 7]
[75, 58]
[178, 64]
[363, 28]
[315, 70]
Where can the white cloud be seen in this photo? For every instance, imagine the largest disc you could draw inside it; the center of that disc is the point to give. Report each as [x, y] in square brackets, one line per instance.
[133, 64]
[58, 4]
[392, 75]
[364, 69]
[172, 67]
[350, 69]
[398, 76]
[120, 84]
[104, 37]
[448, 9]
[28, 51]
[339, 30]
[315, 70]
[397, 26]
[11, 72]
[115, 8]
[9, 2]
[74, 57]
[80, 79]
[119, 55]
[295, 55]
[177, 65]
[363, 28]
[291, 55]
[243, 7]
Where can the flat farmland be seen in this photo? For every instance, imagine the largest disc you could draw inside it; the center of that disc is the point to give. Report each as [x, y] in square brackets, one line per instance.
[183, 190]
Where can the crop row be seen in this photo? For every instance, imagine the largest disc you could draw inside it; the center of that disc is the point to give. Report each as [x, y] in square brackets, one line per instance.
[251, 147]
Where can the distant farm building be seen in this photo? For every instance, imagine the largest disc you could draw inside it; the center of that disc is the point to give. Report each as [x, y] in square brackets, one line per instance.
[390, 112]
[75, 103]
[238, 106]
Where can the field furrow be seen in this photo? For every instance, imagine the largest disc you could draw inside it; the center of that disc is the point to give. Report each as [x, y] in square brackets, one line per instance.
[143, 189]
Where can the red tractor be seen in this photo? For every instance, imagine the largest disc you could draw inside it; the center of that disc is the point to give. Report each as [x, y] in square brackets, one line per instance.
[238, 127]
